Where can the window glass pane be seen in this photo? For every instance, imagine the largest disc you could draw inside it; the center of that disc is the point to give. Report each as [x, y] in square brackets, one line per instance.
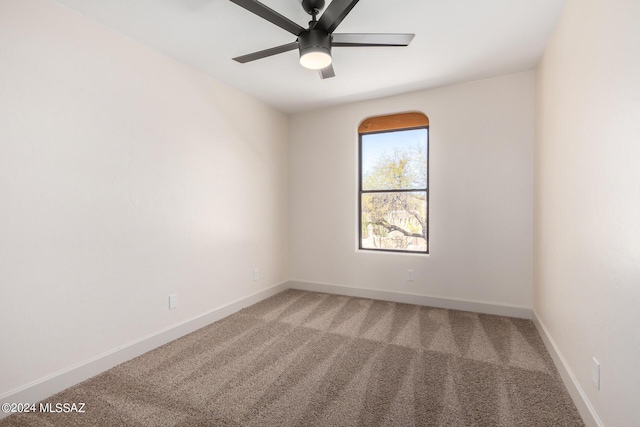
[394, 221]
[394, 160]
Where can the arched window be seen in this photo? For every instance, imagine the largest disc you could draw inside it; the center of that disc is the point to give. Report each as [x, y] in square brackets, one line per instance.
[394, 183]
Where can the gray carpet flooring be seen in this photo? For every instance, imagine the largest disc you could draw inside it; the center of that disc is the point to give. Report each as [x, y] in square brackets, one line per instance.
[312, 359]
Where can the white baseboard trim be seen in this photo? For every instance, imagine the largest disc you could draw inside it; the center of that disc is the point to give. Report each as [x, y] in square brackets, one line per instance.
[51, 384]
[580, 399]
[430, 301]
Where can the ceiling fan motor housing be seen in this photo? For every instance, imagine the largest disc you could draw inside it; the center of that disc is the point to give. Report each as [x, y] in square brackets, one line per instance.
[314, 41]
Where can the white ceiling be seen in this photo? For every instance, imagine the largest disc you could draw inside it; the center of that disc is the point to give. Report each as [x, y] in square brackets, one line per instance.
[456, 41]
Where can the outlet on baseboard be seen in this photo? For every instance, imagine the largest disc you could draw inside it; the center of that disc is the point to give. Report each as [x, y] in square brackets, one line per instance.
[595, 372]
[173, 301]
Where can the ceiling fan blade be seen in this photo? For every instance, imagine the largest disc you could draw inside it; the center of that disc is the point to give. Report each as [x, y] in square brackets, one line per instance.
[270, 15]
[327, 72]
[370, 39]
[267, 52]
[334, 14]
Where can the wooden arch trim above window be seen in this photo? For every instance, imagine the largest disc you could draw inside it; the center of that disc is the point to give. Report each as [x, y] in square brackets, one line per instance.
[393, 122]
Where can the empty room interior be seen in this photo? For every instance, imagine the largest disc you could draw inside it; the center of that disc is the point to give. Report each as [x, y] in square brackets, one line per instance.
[198, 226]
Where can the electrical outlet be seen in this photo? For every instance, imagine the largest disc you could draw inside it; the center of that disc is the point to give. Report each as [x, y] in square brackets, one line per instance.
[256, 275]
[410, 275]
[595, 372]
[173, 301]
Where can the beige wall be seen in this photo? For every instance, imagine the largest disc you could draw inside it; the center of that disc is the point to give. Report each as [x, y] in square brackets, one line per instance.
[124, 177]
[481, 199]
[587, 200]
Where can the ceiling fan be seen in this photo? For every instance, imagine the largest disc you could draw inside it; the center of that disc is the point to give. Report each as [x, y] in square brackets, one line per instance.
[315, 42]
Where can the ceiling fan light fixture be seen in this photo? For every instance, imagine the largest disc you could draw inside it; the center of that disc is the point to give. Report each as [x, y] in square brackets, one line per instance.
[315, 58]
[315, 49]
